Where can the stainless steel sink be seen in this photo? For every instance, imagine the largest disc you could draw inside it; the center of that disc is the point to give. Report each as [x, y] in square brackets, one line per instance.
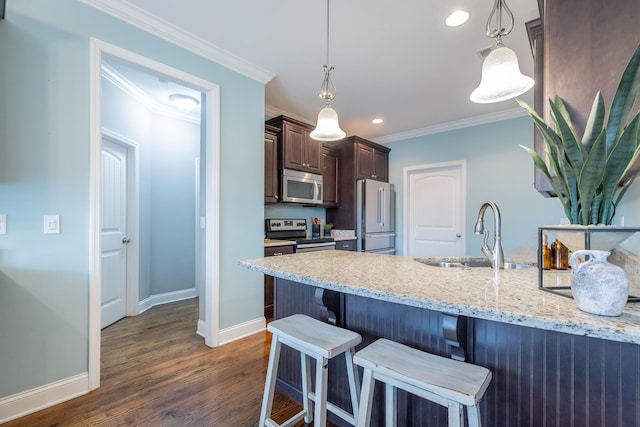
[470, 264]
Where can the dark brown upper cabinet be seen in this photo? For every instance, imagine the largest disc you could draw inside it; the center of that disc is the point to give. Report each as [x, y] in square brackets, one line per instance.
[371, 162]
[299, 151]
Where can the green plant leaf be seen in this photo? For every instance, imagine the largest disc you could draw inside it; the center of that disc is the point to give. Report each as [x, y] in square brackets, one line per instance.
[591, 176]
[542, 167]
[551, 138]
[571, 184]
[623, 99]
[561, 108]
[573, 148]
[618, 161]
[595, 122]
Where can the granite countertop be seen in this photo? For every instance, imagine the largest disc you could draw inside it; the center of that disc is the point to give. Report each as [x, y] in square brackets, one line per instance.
[509, 296]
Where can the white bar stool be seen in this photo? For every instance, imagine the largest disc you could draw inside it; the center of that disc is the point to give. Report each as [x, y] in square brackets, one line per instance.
[448, 382]
[321, 341]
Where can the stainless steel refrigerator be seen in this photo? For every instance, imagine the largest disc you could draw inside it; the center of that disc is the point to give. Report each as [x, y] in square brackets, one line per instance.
[375, 210]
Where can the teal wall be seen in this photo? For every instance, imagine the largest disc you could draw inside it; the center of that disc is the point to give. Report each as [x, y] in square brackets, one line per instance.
[44, 169]
[497, 169]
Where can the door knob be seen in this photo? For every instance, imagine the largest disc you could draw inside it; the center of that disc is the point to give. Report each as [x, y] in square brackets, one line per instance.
[458, 235]
[126, 240]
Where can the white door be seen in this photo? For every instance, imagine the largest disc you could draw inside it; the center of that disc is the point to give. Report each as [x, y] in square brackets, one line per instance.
[435, 210]
[114, 232]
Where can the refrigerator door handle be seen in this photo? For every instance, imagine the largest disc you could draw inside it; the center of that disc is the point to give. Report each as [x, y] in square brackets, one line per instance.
[383, 208]
[379, 207]
[379, 235]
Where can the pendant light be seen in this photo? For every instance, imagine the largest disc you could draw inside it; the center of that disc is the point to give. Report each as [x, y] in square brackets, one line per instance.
[327, 126]
[501, 76]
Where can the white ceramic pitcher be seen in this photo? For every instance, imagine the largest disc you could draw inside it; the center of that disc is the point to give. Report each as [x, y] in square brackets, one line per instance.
[598, 287]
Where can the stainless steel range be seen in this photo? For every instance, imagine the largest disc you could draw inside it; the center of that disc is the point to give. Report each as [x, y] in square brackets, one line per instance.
[296, 229]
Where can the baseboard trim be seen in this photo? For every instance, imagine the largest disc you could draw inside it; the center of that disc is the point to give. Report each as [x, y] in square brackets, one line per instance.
[202, 328]
[165, 298]
[21, 404]
[242, 330]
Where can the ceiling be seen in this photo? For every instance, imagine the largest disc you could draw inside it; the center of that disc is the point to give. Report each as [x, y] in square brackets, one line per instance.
[394, 60]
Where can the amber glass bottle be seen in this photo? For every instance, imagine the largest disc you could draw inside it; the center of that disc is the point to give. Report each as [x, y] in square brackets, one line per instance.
[562, 256]
[546, 253]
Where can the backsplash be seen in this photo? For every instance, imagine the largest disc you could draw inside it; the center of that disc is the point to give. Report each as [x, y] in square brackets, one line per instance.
[629, 263]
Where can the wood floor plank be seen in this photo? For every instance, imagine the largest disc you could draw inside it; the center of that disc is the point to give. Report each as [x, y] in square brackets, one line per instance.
[155, 371]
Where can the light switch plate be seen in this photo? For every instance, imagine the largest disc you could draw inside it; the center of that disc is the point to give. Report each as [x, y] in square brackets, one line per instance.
[3, 224]
[52, 224]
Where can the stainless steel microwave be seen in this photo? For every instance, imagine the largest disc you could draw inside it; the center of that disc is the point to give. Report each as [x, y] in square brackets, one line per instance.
[301, 187]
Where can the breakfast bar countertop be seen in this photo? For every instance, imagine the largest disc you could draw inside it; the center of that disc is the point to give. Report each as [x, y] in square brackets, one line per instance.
[508, 296]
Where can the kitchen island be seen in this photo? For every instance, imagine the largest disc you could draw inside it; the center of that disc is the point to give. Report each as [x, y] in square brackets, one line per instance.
[552, 364]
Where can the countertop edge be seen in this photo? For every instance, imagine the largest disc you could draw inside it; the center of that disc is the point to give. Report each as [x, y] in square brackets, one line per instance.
[521, 319]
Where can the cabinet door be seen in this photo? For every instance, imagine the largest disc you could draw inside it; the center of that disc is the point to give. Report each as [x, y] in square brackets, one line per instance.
[330, 168]
[294, 140]
[381, 164]
[365, 162]
[313, 156]
[268, 280]
[271, 192]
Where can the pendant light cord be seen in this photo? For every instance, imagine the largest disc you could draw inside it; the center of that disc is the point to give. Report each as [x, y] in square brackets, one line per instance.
[327, 33]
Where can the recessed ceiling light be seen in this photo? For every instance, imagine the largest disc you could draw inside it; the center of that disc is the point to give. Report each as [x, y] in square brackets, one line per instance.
[377, 121]
[457, 17]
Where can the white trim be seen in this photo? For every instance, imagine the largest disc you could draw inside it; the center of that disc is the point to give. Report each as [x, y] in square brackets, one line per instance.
[98, 50]
[121, 82]
[166, 298]
[95, 212]
[406, 171]
[212, 219]
[133, 218]
[137, 17]
[242, 330]
[201, 329]
[457, 124]
[21, 404]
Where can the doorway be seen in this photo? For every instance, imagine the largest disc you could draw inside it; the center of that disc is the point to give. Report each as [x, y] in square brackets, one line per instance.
[209, 186]
[434, 209]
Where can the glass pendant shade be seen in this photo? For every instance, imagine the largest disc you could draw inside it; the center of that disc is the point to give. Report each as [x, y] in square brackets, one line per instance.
[327, 128]
[501, 77]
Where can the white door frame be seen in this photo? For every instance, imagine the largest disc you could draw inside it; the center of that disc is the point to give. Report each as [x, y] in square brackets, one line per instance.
[133, 217]
[460, 164]
[98, 50]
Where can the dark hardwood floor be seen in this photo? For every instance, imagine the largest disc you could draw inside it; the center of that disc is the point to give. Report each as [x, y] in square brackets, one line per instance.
[157, 372]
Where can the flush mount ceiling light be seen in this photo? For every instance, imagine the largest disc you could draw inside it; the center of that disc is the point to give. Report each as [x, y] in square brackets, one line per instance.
[501, 76]
[184, 102]
[456, 18]
[327, 127]
[377, 121]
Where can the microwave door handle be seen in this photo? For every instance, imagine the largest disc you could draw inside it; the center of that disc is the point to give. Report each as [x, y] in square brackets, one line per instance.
[316, 190]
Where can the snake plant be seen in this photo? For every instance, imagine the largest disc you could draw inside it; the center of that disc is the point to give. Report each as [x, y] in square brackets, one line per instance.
[589, 171]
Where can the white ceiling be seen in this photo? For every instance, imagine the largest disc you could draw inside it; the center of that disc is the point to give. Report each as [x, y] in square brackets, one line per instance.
[395, 60]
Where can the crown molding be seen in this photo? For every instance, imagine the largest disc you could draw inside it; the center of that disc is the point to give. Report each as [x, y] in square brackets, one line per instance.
[137, 17]
[112, 75]
[270, 112]
[458, 124]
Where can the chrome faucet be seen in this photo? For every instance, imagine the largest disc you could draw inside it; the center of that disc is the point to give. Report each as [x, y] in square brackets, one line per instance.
[495, 255]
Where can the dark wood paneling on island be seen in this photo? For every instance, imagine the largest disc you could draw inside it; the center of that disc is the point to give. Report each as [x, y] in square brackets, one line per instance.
[540, 377]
